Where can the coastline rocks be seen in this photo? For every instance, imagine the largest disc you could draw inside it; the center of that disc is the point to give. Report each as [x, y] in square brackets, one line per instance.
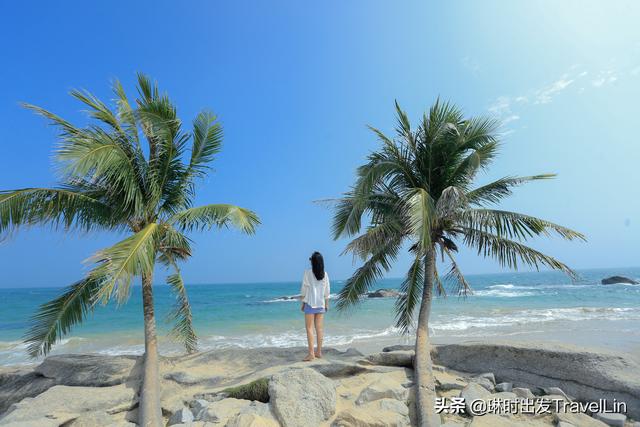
[89, 370]
[523, 393]
[611, 419]
[181, 416]
[380, 413]
[581, 420]
[382, 388]
[504, 387]
[60, 402]
[484, 382]
[471, 392]
[400, 358]
[617, 280]
[582, 374]
[383, 293]
[302, 397]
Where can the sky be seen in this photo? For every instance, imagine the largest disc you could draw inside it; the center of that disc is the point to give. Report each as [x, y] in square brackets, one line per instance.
[295, 85]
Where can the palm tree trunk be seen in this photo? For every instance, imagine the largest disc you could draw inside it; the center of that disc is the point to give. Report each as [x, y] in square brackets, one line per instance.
[150, 412]
[425, 390]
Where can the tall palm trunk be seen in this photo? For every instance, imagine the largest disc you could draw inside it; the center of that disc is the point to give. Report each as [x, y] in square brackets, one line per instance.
[425, 390]
[150, 412]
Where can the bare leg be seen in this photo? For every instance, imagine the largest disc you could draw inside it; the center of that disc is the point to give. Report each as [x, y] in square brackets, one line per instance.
[308, 323]
[319, 321]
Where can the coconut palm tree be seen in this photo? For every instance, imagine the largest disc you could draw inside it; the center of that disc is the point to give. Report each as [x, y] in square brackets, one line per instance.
[417, 191]
[133, 172]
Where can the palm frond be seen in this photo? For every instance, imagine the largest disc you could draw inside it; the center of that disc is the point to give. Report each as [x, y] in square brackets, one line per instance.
[455, 276]
[514, 225]
[422, 215]
[366, 275]
[57, 207]
[510, 254]
[55, 318]
[216, 215]
[181, 313]
[120, 263]
[410, 295]
[207, 140]
[497, 190]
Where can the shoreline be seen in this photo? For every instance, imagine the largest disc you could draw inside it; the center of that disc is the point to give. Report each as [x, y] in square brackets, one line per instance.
[580, 373]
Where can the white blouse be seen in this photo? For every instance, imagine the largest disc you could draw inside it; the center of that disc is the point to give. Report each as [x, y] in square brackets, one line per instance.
[315, 291]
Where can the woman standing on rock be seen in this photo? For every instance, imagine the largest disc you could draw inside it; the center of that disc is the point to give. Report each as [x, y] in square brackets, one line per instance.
[315, 292]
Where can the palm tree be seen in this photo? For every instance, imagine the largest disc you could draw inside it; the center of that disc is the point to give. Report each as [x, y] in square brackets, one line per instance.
[417, 190]
[130, 172]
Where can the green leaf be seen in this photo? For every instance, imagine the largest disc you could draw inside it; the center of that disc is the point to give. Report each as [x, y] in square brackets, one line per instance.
[215, 215]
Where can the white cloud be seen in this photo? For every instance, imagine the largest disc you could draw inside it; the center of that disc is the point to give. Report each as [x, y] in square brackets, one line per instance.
[545, 95]
[604, 78]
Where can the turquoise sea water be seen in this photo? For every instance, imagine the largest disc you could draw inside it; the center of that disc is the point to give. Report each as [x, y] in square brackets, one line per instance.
[532, 306]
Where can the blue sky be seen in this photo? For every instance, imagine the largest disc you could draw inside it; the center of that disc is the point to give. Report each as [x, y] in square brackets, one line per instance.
[295, 85]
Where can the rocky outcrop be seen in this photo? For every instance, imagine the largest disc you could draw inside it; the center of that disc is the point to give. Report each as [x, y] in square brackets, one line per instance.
[383, 293]
[582, 374]
[618, 279]
[302, 397]
[89, 370]
[401, 358]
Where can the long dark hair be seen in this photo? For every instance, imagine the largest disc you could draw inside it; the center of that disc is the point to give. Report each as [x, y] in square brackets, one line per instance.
[317, 265]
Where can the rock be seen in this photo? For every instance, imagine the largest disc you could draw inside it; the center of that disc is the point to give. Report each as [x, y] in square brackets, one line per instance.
[523, 393]
[491, 420]
[484, 382]
[503, 395]
[20, 385]
[451, 424]
[504, 387]
[585, 375]
[98, 419]
[181, 416]
[89, 370]
[382, 388]
[400, 347]
[489, 376]
[618, 279]
[380, 413]
[340, 369]
[198, 407]
[400, 358]
[384, 293]
[578, 420]
[563, 424]
[449, 385]
[471, 392]
[556, 391]
[611, 419]
[302, 397]
[72, 400]
[251, 420]
[222, 410]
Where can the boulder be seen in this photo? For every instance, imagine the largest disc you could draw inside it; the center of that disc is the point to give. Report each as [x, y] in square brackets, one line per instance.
[384, 293]
[17, 386]
[383, 388]
[181, 416]
[400, 358]
[198, 407]
[401, 347]
[618, 279]
[88, 370]
[72, 400]
[523, 393]
[340, 369]
[578, 420]
[302, 397]
[484, 382]
[555, 391]
[583, 374]
[380, 413]
[563, 424]
[611, 418]
[222, 410]
[471, 392]
[251, 420]
[98, 419]
[504, 387]
[489, 376]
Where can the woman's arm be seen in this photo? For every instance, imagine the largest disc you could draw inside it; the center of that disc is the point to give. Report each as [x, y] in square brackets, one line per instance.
[303, 290]
[327, 292]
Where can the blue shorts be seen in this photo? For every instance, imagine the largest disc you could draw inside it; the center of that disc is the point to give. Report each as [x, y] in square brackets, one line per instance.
[310, 310]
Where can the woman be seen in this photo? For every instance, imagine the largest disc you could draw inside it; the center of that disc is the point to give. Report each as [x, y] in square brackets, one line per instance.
[315, 292]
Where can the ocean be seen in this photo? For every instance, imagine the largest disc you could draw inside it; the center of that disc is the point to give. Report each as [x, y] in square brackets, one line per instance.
[544, 306]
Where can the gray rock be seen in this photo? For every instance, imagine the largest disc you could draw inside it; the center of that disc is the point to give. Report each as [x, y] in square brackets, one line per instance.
[340, 369]
[555, 390]
[181, 416]
[383, 293]
[449, 385]
[89, 370]
[523, 393]
[451, 424]
[18, 385]
[198, 407]
[471, 392]
[504, 387]
[400, 347]
[489, 376]
[563, 424]
[611, 419]
[382, 388]
[578, 420]
[484, 382]
[380, 413]
[392, 358]
[618, 279]
[71, 400]
[221, 411]
[302, 397]
[583, 374]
